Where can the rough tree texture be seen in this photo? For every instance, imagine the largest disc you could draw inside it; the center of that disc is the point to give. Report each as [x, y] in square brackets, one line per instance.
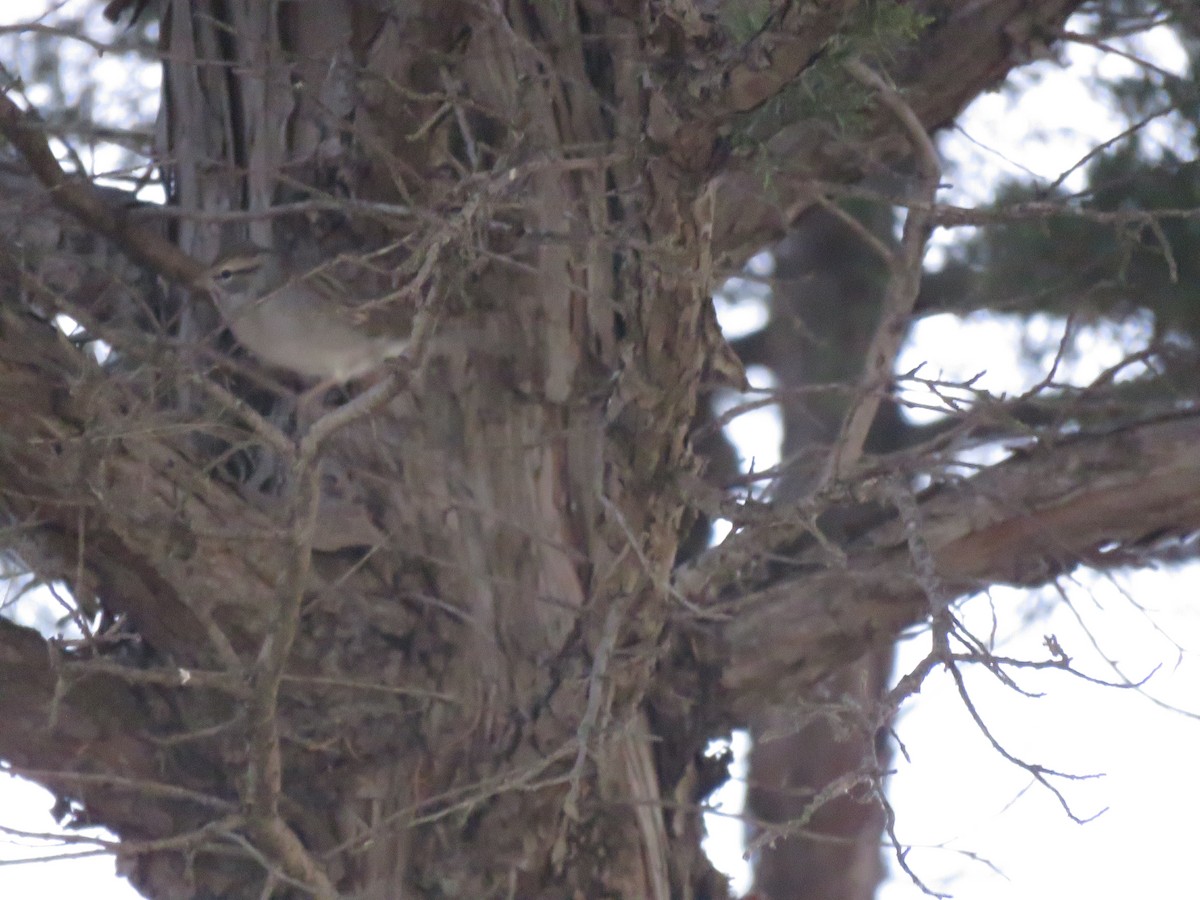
[826, 302]
[432, 644]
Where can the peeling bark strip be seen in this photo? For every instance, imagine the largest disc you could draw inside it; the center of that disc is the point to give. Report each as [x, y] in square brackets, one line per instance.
[426, 645]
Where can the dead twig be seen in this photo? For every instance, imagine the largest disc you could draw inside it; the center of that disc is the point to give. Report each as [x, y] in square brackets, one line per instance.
[903, 286]
[77, 196]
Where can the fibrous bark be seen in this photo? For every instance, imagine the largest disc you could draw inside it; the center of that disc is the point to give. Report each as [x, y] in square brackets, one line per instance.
[432, 644]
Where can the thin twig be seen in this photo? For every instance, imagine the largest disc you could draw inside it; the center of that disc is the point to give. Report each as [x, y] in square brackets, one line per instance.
[264, 768]
[903, 285]
[76, 195]
[143, 786]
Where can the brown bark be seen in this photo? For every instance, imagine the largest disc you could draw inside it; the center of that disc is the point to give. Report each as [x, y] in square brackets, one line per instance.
[1104, 500]
[429, 645]
[826, 301]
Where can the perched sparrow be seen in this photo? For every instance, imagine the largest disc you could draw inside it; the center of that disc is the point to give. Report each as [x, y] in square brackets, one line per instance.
[294, 319]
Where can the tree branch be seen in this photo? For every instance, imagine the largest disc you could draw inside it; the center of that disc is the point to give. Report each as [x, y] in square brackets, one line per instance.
[1085, 500]
[954, 60]
[904, 285]
[77, 196]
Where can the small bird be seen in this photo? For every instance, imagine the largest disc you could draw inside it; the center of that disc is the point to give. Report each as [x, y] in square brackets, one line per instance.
[294, 318]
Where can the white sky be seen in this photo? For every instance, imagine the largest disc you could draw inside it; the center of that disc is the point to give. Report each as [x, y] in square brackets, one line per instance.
[957, 797]
[958, 802]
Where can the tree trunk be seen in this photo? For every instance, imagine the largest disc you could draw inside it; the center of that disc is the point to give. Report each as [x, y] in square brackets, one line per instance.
[430, 641]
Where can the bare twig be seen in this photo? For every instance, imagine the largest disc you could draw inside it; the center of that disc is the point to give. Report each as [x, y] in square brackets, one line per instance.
[118, 782]
[76, 196]
[588, 724]
[54, 31]
[1101, 147]
[225, 682]
[264, 769]
[947, 215]
[1092, 40]
[903, 286]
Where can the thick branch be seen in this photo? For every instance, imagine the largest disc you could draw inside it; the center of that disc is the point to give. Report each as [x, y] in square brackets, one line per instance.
[55, 721]
[77, 196]
[1102, 500]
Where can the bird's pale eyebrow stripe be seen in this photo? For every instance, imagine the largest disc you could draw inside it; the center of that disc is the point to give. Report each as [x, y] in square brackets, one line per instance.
[238, 267]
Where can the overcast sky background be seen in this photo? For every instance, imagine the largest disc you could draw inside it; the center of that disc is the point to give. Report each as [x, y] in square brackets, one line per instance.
[977, 827]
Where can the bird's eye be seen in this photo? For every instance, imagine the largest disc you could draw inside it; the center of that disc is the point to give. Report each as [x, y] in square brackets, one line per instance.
[224, 274]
